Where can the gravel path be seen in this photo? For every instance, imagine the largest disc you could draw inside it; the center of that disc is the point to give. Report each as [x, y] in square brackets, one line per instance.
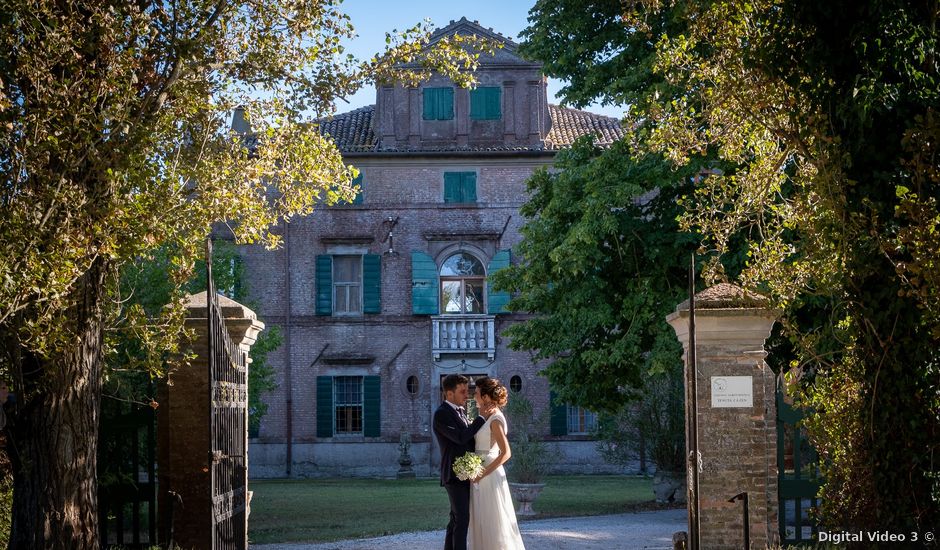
[642, 530]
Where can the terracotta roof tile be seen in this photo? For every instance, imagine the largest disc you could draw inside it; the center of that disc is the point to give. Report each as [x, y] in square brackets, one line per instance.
[352, 131]
[355, 131]
[570, 124]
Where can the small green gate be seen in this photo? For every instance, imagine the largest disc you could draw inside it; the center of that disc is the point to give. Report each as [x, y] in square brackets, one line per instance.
[798, 476]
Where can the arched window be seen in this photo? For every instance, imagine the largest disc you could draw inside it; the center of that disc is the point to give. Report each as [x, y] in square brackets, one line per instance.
[462, 284]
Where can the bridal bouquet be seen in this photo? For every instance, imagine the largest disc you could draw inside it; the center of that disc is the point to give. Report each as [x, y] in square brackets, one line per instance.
[468, 466]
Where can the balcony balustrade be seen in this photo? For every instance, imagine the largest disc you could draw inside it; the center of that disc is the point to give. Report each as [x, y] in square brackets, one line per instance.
[463, 334]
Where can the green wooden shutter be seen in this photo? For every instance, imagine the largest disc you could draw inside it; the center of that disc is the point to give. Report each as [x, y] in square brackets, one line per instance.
[460, 187]
[453, 187]
[438, 103]
[485, 103]
[446, 104]
[477, 107]
[324, 406]
[371, 406]
[559, 416]
[371, 283]
[430, 103]
[497, 300]
[424, 284]
[469, 187]
[358, 181]
[324, 284]
[494, 102]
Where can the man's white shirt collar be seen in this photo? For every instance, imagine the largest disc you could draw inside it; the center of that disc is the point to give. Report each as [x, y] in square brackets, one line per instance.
[456, 408]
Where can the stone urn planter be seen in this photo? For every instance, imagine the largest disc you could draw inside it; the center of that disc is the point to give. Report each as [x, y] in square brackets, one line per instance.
[525, 494]
[529, 462]
[669, 487]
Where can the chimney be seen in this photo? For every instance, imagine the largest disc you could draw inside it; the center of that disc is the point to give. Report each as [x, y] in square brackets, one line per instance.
[239, 123]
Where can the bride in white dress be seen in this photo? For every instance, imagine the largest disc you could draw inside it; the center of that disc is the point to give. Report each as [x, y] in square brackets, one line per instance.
[492, 517]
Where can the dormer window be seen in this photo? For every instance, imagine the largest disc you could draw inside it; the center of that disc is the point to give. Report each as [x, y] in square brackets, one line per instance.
[485, 103]
[438, 103]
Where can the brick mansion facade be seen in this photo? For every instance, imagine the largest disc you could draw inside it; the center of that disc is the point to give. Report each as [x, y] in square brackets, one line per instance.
[378, 300]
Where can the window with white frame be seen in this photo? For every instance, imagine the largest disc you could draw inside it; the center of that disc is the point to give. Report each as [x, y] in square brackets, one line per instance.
[347, 405]
[347, 285]
[581, 420]
[463, 283]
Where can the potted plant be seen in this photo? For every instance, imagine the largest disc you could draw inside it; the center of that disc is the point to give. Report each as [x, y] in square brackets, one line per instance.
[529, 462]
[653, 425]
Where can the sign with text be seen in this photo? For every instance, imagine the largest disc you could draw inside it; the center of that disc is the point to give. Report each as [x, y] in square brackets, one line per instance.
[732, 391]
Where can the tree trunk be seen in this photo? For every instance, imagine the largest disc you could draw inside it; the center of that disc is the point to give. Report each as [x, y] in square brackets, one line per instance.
[54, 432]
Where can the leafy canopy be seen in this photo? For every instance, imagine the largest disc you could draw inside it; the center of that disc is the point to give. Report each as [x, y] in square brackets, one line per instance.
[144, 291]
[114, 145]
[603, 264]
[823, 120]
[603, 261]
[115, 140]
[828, 111]
[589, 45]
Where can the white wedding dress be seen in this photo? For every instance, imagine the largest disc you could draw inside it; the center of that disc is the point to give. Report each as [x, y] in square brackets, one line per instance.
[492, 518]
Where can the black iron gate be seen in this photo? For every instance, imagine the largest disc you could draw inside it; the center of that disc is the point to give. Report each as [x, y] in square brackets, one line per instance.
[798, 476]
[228, 387]
[127, 497]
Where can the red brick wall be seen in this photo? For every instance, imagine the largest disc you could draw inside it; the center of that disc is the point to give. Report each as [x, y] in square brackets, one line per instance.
[410, 190]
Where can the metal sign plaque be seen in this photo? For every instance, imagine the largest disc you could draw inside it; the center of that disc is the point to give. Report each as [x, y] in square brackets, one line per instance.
[732, 391]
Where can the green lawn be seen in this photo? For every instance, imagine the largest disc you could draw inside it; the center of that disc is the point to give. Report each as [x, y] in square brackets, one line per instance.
[320, 510]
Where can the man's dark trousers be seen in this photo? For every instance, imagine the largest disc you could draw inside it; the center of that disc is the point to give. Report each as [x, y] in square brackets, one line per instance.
[455, 438]
[459, 494]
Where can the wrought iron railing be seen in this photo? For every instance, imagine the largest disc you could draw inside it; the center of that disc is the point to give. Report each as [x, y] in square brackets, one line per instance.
[228, 458]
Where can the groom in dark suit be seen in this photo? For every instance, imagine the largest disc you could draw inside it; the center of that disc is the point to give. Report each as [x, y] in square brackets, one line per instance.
[455, 437]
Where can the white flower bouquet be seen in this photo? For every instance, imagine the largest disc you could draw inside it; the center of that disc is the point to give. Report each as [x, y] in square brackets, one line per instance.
[468, 466]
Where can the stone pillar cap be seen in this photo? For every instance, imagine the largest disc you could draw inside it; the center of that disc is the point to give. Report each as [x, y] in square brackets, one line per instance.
[726, 296]
[197, 306]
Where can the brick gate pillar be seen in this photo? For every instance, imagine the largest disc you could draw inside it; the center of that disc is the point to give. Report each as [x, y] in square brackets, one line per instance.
[183, 444]
[736, 414]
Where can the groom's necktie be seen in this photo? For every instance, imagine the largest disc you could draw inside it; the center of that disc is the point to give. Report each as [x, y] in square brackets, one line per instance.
[463, 415]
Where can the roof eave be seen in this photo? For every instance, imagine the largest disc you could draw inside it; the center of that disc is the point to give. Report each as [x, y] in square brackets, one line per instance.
[444, 154]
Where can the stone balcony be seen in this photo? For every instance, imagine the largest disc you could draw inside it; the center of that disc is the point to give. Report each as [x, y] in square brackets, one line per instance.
[463, 334]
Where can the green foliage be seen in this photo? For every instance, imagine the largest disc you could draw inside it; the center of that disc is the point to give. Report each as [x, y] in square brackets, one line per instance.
[603, 264]
[835, 181]
[656, 422]
[115, 145]
[261, 376]
[145, 285]
[586, 43]
[530, 458]
[115, 142]
[6, 504]
[829, 185]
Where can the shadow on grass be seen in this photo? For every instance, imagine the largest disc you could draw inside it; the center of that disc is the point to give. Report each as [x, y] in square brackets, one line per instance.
[324, 510]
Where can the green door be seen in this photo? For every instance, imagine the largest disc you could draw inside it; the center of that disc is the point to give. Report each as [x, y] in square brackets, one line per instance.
[798, 476]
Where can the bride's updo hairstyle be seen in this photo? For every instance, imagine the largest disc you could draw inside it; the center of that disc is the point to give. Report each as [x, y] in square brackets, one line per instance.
[491, 388]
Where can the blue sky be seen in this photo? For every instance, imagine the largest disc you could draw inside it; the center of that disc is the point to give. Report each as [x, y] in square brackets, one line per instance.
[373, 18]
